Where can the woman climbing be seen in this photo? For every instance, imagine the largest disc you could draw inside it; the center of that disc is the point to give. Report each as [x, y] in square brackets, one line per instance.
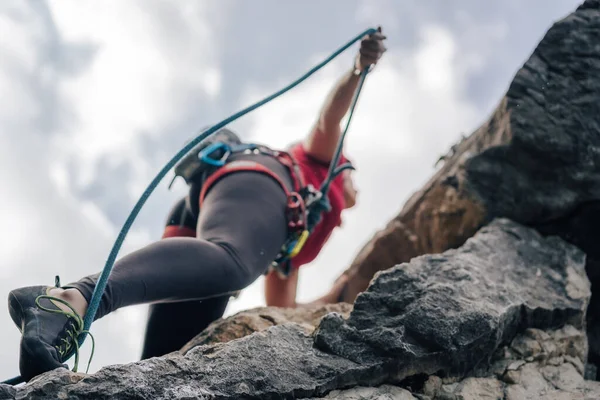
[215, 242]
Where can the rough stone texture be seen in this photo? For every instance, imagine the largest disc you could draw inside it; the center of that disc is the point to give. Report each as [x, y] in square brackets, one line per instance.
[384, 392]
[581, 228]
[535, 161]
[432, 386]
[543, 365]
[446, 314]
[247, 322]
[7, 392]
[535, 365]
[479, 389]
[278, 363]
[449, 312]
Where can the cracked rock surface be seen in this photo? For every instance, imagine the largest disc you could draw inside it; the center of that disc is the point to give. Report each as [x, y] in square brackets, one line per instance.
[536, 365]
[451, 311]
[245, 323]
[447, 314]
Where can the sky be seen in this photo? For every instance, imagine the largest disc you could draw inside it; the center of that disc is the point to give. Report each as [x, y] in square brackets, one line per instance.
[97, 96]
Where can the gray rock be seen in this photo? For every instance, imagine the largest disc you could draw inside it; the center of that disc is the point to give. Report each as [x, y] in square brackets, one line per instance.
[450, 312]
[480, 389]
[278, 363]
[590, 372]
[385, 392]
[526, 347]
[552, 375]
[7, 392]
[564, 376]
[554, 128]
[554, 108]
[513, 377]
[432, 386]
[551, 383]
[446, 314]
[258, 319]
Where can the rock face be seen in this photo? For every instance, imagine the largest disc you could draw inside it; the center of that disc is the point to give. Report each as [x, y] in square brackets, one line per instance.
[449, 312]
[245, 323]
[448, 315]
[535, 161]
[537, 364]
[368, 393]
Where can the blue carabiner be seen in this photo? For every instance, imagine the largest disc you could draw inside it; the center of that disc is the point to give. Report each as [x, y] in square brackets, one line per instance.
[204, 155]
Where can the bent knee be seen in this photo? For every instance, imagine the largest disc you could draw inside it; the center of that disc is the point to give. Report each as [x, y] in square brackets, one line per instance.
[244, 272]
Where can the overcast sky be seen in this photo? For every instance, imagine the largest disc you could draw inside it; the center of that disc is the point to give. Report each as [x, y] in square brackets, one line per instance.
[97, 96]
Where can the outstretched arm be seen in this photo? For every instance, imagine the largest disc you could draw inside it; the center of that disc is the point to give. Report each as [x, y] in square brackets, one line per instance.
[321, 144]
[322, 140]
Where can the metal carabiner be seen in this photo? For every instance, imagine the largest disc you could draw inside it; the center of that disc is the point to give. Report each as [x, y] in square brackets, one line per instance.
[204, 155]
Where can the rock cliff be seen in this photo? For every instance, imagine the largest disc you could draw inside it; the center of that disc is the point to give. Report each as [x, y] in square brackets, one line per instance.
[536, 161]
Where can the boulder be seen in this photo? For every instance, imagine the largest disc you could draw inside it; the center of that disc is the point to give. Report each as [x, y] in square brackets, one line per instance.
[450, 312]
[247, 322]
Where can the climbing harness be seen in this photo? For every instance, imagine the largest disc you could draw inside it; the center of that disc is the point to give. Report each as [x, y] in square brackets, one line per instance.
[317, 200]
[297, 199]
[200, 159]
[305, 203]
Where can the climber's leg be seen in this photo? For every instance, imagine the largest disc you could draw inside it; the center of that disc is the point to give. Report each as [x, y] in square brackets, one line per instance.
[240, 231]
[171, 325]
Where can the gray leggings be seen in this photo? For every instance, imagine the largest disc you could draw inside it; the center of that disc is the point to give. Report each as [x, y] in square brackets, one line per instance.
[240, 230]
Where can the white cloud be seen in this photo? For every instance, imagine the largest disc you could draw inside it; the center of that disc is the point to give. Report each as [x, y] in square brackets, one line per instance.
[290, 116]
[130, 89]
[434, 61]
[374, 12]
[16, 58]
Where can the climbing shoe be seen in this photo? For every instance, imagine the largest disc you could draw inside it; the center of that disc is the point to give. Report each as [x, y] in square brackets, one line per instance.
[48, 333]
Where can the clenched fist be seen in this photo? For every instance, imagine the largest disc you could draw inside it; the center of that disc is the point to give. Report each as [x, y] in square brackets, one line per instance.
[371, 50]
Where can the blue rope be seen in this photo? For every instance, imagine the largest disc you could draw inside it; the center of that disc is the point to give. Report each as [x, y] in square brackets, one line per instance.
[103, 279]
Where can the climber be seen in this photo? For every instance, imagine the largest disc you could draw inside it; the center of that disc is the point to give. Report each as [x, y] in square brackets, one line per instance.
[215, 242]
